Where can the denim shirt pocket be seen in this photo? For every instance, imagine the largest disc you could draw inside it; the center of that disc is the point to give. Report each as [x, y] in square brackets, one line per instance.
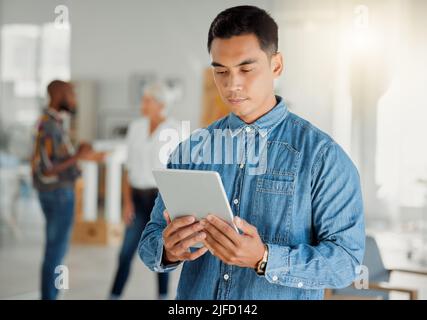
[275, 193]
[276, 184]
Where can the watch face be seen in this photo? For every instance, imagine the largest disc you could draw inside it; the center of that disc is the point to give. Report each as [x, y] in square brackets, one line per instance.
[261, 268]
[263, 264]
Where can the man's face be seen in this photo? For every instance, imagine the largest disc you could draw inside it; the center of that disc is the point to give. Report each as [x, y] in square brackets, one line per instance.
[68, 101]
[244, 75]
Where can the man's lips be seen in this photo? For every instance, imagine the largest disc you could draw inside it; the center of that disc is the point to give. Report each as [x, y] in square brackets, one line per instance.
[236, 100]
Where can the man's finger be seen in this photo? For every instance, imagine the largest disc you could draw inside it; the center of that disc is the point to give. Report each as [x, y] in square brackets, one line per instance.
[215, 248]
[184, 232]
[245, 226]
[208, 245]
[196, 254]
[225, 228]
[178, 223]
[219, 235]
[190, 241]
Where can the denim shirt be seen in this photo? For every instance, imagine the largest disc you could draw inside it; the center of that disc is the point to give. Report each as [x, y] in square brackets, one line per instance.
[304, 198]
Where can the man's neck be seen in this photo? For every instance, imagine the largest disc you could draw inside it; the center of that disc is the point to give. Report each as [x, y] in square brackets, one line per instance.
[267, 107]
[53, 107]
[53, 110]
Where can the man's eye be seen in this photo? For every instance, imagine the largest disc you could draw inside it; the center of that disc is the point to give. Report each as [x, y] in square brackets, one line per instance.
[220, 72]
[246, 70]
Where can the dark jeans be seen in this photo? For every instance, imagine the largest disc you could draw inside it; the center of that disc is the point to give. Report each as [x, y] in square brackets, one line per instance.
[143, 201]
[58, 209]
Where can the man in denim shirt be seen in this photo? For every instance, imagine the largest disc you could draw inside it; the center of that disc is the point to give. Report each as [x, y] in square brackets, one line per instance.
[296, 198]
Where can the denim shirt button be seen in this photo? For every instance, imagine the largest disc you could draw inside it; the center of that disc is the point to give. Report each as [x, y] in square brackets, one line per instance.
[236, 201]
[226, 277]
[275, 278]
[300, 284]
[248, 129]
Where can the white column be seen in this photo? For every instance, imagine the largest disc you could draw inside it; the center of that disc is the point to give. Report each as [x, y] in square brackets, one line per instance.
[90, 190]
[113, 195]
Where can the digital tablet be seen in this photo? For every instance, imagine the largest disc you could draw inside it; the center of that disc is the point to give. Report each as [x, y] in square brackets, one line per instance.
[193, 192]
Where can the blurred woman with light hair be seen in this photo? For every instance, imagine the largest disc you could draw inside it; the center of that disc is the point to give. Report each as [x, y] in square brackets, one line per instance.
[144, 154]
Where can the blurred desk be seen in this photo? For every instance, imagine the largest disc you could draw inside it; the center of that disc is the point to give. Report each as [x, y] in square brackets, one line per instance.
[116, 157]
[101, 184]
[402, 250]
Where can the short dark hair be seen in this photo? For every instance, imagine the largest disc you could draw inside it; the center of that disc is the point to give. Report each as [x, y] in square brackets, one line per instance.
[243, 20]
[55, 86]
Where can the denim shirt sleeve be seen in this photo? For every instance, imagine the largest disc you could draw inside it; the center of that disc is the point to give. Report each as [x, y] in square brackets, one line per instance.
[338, 229]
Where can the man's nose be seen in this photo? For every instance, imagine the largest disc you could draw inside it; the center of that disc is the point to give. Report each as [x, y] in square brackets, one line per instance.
[234, 82]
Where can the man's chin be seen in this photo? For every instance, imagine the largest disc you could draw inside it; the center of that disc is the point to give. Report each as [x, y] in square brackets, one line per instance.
[242, 114]
[239, 110]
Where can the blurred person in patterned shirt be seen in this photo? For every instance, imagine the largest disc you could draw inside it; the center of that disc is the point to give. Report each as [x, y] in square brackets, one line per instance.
[55, 170]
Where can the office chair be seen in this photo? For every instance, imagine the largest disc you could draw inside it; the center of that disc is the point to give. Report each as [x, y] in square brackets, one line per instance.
[379, 277]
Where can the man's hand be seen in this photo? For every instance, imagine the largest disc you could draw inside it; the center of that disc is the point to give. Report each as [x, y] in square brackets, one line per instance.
[222, 240]
[86, 152]
[93, 156]
[179, 236]
[84, 148]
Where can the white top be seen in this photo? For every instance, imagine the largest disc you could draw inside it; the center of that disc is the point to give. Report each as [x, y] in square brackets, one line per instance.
[147, 152]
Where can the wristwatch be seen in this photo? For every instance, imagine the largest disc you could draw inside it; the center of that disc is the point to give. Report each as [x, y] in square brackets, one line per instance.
[262, 264]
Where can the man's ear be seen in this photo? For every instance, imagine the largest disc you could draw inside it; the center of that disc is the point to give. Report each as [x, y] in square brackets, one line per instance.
[277, 64]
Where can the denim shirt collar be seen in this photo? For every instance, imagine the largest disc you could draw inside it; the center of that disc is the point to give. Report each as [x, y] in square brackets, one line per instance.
[263, 124]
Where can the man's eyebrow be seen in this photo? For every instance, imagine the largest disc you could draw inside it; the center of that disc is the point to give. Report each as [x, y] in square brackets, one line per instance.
[245, 62]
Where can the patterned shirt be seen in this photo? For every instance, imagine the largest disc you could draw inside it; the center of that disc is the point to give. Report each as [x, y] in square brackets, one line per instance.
[52, 146]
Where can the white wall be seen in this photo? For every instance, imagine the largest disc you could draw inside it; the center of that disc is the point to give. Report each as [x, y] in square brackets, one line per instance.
[1, 89]
[24, 11]
[306, 40]
[112, 40]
